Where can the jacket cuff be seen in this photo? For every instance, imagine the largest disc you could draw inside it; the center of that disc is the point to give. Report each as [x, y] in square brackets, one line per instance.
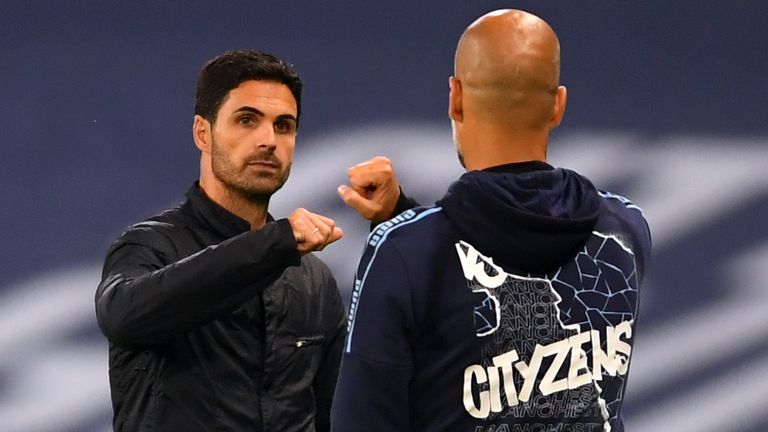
[403, 203]
[286, 242]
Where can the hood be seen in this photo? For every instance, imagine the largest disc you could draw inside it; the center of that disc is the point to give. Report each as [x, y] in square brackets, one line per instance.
[529, 217]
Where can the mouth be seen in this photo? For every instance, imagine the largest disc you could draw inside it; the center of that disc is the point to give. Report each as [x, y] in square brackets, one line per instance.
[262, 164]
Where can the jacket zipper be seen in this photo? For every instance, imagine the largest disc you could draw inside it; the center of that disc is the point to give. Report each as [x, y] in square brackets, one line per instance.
[308, 340]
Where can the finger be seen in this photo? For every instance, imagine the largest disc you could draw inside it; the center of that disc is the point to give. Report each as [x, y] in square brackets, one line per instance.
[325, 219]
[366, 164]
[337, 234]
[363, 184]
[372, 163]
[328, 227]
[304, 249]
[365, 207]
[377, 167]
[298, 223]
[366, 180]
[321, 228]
[331, 224]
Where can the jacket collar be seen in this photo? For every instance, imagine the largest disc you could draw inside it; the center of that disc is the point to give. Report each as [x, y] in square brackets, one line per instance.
[220, 219]
[520, 167]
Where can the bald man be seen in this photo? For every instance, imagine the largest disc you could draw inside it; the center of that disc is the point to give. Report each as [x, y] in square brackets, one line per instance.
[511, 304]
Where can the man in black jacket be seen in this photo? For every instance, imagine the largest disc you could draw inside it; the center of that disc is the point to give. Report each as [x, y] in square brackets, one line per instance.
[217, 315]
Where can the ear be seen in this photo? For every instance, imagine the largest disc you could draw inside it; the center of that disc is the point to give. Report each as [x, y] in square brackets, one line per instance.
[455, 107]
[561, 97]
[201, 133]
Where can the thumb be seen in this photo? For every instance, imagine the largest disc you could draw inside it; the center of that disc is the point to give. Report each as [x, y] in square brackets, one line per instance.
[356, 201]
[338, 233]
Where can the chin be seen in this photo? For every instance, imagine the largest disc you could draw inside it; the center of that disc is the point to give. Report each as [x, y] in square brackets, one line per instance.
[263, 189]
[258, 190]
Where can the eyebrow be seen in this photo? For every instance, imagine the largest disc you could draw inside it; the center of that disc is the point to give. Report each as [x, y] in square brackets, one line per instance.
[257, 112]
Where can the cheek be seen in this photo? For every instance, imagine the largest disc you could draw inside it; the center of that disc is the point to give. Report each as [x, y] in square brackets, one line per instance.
[226, 140]
[238, 144]
[285, 148]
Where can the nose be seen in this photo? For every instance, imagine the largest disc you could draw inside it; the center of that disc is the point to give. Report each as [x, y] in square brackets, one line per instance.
[267, 137]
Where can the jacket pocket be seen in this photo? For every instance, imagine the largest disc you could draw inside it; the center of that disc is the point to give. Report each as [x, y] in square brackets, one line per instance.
[308, 341]
[299, 356]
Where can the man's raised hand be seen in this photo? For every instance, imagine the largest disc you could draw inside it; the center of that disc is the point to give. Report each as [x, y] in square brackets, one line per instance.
[312, 231]
[373, 189]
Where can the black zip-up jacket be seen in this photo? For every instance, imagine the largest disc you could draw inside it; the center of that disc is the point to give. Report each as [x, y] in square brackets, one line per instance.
[213, 327]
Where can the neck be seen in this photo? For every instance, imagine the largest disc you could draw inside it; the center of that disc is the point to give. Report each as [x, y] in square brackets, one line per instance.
[251, 209]
[490, 146]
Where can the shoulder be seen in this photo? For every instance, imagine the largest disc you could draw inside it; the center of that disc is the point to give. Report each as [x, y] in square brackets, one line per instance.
[621, 214]
[158, 232]
[411, 226]
[407, 241]
[623, 208]
[164, 224]
[618, 201]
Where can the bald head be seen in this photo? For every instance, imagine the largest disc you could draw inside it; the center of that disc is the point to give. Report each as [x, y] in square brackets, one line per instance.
[508, 64]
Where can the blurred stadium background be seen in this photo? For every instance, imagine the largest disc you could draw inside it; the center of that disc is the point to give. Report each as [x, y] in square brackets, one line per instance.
[664, 107]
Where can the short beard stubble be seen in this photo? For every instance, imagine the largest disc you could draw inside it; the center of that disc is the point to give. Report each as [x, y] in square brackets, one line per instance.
[257, 190]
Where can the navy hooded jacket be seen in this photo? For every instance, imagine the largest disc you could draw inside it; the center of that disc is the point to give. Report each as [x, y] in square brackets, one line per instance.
[509, 306]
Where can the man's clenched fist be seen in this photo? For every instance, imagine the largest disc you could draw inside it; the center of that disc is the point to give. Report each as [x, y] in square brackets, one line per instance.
[312, 231]
[373, 189]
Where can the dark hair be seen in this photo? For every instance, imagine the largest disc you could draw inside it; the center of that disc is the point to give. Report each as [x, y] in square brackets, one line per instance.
[230, 69]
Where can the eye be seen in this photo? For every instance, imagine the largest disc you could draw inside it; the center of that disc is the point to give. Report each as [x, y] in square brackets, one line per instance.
[246, 120]
[284, 126]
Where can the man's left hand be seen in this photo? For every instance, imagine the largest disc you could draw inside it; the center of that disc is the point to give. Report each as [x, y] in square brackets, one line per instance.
[373, 189]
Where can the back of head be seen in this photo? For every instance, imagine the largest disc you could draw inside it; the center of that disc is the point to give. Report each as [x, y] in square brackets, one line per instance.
[508, 63]
[228, 70]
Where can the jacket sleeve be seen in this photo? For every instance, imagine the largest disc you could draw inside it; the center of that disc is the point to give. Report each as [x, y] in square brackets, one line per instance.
[372, 393]
[328, 373]
[146, 299]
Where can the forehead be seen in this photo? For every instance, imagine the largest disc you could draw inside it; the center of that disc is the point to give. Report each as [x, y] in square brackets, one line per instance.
[267, 96]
